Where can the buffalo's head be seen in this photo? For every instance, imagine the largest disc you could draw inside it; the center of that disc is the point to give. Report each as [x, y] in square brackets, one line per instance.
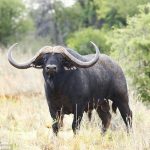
[55, 59]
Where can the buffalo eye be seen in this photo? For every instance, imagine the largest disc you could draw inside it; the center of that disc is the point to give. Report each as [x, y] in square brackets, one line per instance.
[61, 59]
[44, 60]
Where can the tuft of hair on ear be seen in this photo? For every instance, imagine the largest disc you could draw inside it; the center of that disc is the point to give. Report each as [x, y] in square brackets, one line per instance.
[38, 63]
[68, 65]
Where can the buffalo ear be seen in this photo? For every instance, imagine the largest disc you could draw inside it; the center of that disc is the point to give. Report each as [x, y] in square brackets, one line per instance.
[68, 65]
[38, 63]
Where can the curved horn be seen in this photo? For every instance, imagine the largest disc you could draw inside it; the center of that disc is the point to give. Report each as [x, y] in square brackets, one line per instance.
[86, 63]
[24, 65]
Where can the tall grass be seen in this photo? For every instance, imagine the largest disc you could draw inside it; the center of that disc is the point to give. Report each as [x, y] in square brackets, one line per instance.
[25, 122]
[14, 81]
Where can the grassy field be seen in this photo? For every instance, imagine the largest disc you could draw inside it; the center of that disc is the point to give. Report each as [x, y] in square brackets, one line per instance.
[25, 123]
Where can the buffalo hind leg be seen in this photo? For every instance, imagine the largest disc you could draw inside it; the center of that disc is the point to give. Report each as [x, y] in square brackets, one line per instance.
[78, 113]
[104, 114]
[126, 114]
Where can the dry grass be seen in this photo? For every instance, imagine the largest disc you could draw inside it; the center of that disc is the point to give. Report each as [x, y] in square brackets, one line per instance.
[25, 122]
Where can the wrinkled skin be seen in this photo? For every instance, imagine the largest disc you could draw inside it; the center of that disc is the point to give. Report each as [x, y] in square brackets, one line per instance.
[84, 89]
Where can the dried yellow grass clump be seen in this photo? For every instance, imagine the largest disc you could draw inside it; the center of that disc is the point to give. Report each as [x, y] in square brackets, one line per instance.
[25, 122]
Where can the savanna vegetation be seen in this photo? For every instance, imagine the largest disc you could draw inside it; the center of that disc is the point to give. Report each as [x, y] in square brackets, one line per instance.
[121, 29]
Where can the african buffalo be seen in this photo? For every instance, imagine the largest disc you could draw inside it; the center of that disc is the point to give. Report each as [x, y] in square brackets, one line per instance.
[76, 83]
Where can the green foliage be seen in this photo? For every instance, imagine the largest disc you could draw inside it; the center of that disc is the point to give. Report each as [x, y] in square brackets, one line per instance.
[115, 12]
[131, 46]
[80, 40]
[89, 15]
[82, 14]
[68, 19]
[13, 20]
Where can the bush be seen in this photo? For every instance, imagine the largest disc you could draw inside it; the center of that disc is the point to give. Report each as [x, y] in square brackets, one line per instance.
[115, 12]
[14, 21]
[80, 40]
[131, 45]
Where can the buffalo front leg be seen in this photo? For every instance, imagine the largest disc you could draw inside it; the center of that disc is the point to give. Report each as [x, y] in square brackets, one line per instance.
[78, 113]
[57, 117]
[57, 121]
[55, 124]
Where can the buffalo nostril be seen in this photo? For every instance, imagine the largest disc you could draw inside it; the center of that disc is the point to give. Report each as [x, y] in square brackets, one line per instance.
[51, 68]
[47, 68]
[54, 67]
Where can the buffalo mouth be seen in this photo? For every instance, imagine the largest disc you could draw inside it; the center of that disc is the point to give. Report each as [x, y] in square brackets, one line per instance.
[51, 74]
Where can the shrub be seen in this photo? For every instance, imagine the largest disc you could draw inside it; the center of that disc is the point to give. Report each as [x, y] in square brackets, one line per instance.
[131, 45]
[80, 40]
[14, 21]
